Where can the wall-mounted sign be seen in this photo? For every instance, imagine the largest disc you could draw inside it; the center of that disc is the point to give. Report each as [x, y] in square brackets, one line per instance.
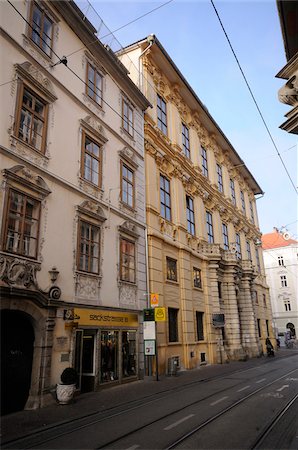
[154, 299]
[218, 320]
[149, 330]
[148, 315]
[149, 347]
[160, 314]
[96, 317]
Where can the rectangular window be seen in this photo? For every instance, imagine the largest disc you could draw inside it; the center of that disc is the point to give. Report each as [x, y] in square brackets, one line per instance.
[94, 84]
[264, 300]
[204, 162]
[127, 261]
[173, 324]
[238, 246]
[209, 224]
[242, 202]
[88, 248]
[197, 279]
[22, 224]
[161, 114]
[31, 119]
[256, 297]
[200, 325]
[165, 198]
[127, 185]
[127, 117]
[280, 260]
[283, 280]
[91, 167]
[267, 327]
[259, 328]
[248, 251]
[288, 305]
[185, 141]
[190, 215]
[41, 30]
[258, 259]
[233, 195]
[252, 217]
[219, 178]
[225, 236]
[172, 274]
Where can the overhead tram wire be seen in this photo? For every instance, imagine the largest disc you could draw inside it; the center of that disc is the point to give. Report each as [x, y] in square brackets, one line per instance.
[253, 97]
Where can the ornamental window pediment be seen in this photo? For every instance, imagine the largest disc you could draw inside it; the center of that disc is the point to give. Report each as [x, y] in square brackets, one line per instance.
[29, 73]
[20, 176]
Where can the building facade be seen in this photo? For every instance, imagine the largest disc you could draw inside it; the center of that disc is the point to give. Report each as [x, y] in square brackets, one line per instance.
[205, 260]
[281, 266]
[72, 254]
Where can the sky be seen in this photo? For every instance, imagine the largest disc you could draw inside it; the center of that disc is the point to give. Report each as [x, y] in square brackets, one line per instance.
[191, 34]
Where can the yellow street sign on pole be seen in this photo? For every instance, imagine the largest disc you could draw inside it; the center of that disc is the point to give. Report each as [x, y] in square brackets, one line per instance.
[160, 314]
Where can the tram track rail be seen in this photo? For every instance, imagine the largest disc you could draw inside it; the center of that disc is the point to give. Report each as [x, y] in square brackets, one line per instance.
[39, 436]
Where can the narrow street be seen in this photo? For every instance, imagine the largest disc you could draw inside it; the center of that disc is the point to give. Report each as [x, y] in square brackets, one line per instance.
[236, 406]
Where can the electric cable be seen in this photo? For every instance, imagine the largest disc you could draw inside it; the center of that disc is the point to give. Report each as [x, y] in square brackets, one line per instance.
[253, 97]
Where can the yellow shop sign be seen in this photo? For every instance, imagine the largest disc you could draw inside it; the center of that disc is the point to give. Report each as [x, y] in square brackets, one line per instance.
[95, 317]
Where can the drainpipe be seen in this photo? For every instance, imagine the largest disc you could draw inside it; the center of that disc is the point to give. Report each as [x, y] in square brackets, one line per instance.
[150, 40]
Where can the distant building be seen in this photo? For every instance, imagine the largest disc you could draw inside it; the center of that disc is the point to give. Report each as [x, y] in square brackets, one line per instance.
[288, 15]
[72, 206]
[281, 266]
[205, 259]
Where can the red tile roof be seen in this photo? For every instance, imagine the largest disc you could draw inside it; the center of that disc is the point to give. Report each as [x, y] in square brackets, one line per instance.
[276, 239]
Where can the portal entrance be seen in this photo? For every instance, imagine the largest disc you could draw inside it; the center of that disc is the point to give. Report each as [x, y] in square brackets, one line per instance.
[17, 339]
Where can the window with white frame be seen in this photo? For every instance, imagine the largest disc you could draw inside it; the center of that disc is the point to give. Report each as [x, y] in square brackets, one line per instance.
[225, 236]
[252, 216]
[185, 141]
[248, 251]
[165, 198]
[88, 247]
[283, 281]
[238, 246]
[232, 189]
[243, 202]
[190, 215]
[161, 114]
[219, 178]
[209, 224]
[204, 162]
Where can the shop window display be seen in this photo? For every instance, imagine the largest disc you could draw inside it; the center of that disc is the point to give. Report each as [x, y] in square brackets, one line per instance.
[128, 353]
[109, 356]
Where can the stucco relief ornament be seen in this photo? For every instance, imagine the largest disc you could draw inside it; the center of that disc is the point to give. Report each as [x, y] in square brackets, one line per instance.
[18, 272]
[127, 294]
[87, 287]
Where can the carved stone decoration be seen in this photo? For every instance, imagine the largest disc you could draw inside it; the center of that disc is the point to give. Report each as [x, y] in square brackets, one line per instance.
[95, 127]
[128, 154]
[25, 176]
[33, 74]
[54, 293]
[87, 287]
[288, 93]
[130, 228]
[93, 209]
[127, 294]
[18, 272]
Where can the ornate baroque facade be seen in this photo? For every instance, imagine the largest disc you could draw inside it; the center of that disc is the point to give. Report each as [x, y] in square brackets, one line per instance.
[205, 260]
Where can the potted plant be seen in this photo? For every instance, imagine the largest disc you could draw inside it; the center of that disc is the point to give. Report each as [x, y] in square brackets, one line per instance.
[65, 391]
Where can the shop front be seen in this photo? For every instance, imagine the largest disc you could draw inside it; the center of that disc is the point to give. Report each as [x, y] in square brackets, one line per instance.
[106, 347]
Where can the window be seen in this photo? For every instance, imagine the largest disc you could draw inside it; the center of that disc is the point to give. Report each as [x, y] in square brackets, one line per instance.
[288, 305]
[185, 141]
[264, 300]
[232, 188]
[41, 30]
[22, 224]
[256, 297]
[94, 84]
[165, 198]
[88, 247]
[259, 328]
[31, 118]
[280, 261]
[91, 167]
[258, 259]
[127, 185]
[248, 251]
[225, 236]
[173, 324]
[127, 117]
[172, 269]
[190, 215]
[283, 280]
[219, 177]
[127, 261]
[252, 217]
[267, 327]
[197, 279]
[209, 227]
[161, 114]
[204, 162]
[242, 202]
[238, 246]
[200, 325]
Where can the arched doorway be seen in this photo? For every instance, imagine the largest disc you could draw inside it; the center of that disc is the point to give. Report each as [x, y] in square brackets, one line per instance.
[292, 332]
[17, 339]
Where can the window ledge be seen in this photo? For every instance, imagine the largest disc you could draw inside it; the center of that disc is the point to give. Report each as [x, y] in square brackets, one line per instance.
[16, 142]
[175, 283]
[127, 283]
[130, 136]
[200, 289]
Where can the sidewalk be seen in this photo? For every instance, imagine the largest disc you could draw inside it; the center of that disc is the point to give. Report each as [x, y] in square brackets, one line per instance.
[22, 423]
